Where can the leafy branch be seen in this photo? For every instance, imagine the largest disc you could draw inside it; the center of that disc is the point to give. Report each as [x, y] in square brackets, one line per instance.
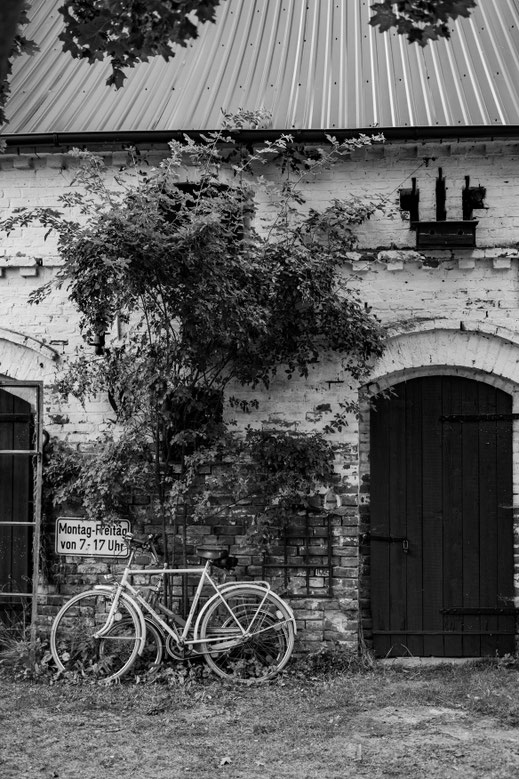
[420, 21]
[131, 31]
[207, 297]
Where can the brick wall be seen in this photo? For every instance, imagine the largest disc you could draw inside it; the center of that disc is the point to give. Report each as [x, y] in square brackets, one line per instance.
[447, 310]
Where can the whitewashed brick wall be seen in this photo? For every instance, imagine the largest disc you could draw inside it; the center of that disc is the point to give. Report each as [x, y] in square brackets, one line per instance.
[446, 310]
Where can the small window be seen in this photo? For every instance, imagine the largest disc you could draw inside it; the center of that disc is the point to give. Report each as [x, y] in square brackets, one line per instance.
[236, 212]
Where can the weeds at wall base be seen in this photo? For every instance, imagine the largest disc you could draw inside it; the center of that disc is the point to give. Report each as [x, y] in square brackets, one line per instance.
[18, 662]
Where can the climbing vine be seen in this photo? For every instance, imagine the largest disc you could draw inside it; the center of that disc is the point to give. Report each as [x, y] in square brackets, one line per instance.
[185, 289]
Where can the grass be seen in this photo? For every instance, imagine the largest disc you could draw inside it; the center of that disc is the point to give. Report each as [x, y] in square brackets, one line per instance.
[486, 686]
[329, 716]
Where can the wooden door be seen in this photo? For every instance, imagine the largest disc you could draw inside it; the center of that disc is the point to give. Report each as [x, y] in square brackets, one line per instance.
[16, 506]
[441, 519]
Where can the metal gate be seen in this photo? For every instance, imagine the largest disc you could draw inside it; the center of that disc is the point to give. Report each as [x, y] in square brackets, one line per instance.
[20, 502]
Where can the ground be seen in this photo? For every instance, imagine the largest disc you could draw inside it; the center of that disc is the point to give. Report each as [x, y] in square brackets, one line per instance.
[315, 722]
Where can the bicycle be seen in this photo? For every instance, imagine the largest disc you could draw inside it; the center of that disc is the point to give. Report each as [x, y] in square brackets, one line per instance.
[243, 630]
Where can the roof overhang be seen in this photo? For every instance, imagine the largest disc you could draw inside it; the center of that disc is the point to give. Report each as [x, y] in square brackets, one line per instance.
[123, 139]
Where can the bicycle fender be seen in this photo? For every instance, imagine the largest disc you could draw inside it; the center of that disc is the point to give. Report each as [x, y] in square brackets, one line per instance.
[229, 585]
[237, 585]
[265, 587]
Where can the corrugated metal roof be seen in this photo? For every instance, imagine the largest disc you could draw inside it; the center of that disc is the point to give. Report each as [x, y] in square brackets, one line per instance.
[314, 64]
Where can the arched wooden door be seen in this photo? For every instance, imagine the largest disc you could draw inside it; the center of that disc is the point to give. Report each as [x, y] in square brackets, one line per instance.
[16, 507]
[441, 519]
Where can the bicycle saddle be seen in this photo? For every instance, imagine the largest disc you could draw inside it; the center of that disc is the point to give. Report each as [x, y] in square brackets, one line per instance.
[220, 558]
[212, 554]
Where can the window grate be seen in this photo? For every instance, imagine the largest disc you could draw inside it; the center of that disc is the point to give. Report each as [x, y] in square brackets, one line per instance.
[301, 560]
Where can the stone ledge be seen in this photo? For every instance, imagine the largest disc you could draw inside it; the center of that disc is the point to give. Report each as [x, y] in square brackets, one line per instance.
[27, 265]
[394, 260]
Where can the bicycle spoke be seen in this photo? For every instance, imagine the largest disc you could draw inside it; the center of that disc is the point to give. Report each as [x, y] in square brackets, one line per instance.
[74, 644]
[151, 655]
[268, 641]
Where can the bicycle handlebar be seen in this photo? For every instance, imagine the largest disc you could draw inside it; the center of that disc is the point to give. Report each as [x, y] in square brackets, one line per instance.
[130, 539]
[224, 561]
[148, 543]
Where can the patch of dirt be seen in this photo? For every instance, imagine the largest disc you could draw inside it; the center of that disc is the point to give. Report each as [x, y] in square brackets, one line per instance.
[382, 724]
[426, 741]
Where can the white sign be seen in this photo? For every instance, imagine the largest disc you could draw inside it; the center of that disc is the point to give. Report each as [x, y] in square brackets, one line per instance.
[84, 537]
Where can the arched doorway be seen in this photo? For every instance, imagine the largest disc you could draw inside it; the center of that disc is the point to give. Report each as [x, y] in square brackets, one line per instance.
[441, 534]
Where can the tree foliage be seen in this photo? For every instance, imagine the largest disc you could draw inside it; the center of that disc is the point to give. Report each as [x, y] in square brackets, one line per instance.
[208, 293]
[131, 31]
[125, 32]
[275, 474]
[420, 20]
[13, 17]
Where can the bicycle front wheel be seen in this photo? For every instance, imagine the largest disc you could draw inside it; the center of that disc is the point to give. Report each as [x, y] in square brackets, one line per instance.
[152, 651]
[248, 634]
[73, 643]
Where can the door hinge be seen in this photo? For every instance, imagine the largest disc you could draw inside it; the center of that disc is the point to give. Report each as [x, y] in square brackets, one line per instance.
[479, 610]
[478, 417]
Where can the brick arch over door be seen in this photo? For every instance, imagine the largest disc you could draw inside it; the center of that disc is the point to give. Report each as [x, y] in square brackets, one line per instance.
[491, 351]
[438, 372]
[25, 358]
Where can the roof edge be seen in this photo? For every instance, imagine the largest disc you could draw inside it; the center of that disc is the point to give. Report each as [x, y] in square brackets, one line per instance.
[160, 137]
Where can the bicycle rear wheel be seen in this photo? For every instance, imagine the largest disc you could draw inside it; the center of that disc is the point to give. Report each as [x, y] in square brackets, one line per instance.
[72, 641]
[269, 639]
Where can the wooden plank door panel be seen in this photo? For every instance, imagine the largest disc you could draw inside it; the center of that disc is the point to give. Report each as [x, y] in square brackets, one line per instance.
[380, 571]
[505, 531]
[432, 528]
[482, 586]
[441, 476]
[468, 559]
[414, 508]
[397, 521]
[452, 508]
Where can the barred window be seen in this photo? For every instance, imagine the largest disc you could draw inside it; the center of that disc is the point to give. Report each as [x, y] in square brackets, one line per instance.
[301, 561]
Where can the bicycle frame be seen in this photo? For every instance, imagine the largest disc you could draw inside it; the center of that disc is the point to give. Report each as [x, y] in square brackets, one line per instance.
[124, 589]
